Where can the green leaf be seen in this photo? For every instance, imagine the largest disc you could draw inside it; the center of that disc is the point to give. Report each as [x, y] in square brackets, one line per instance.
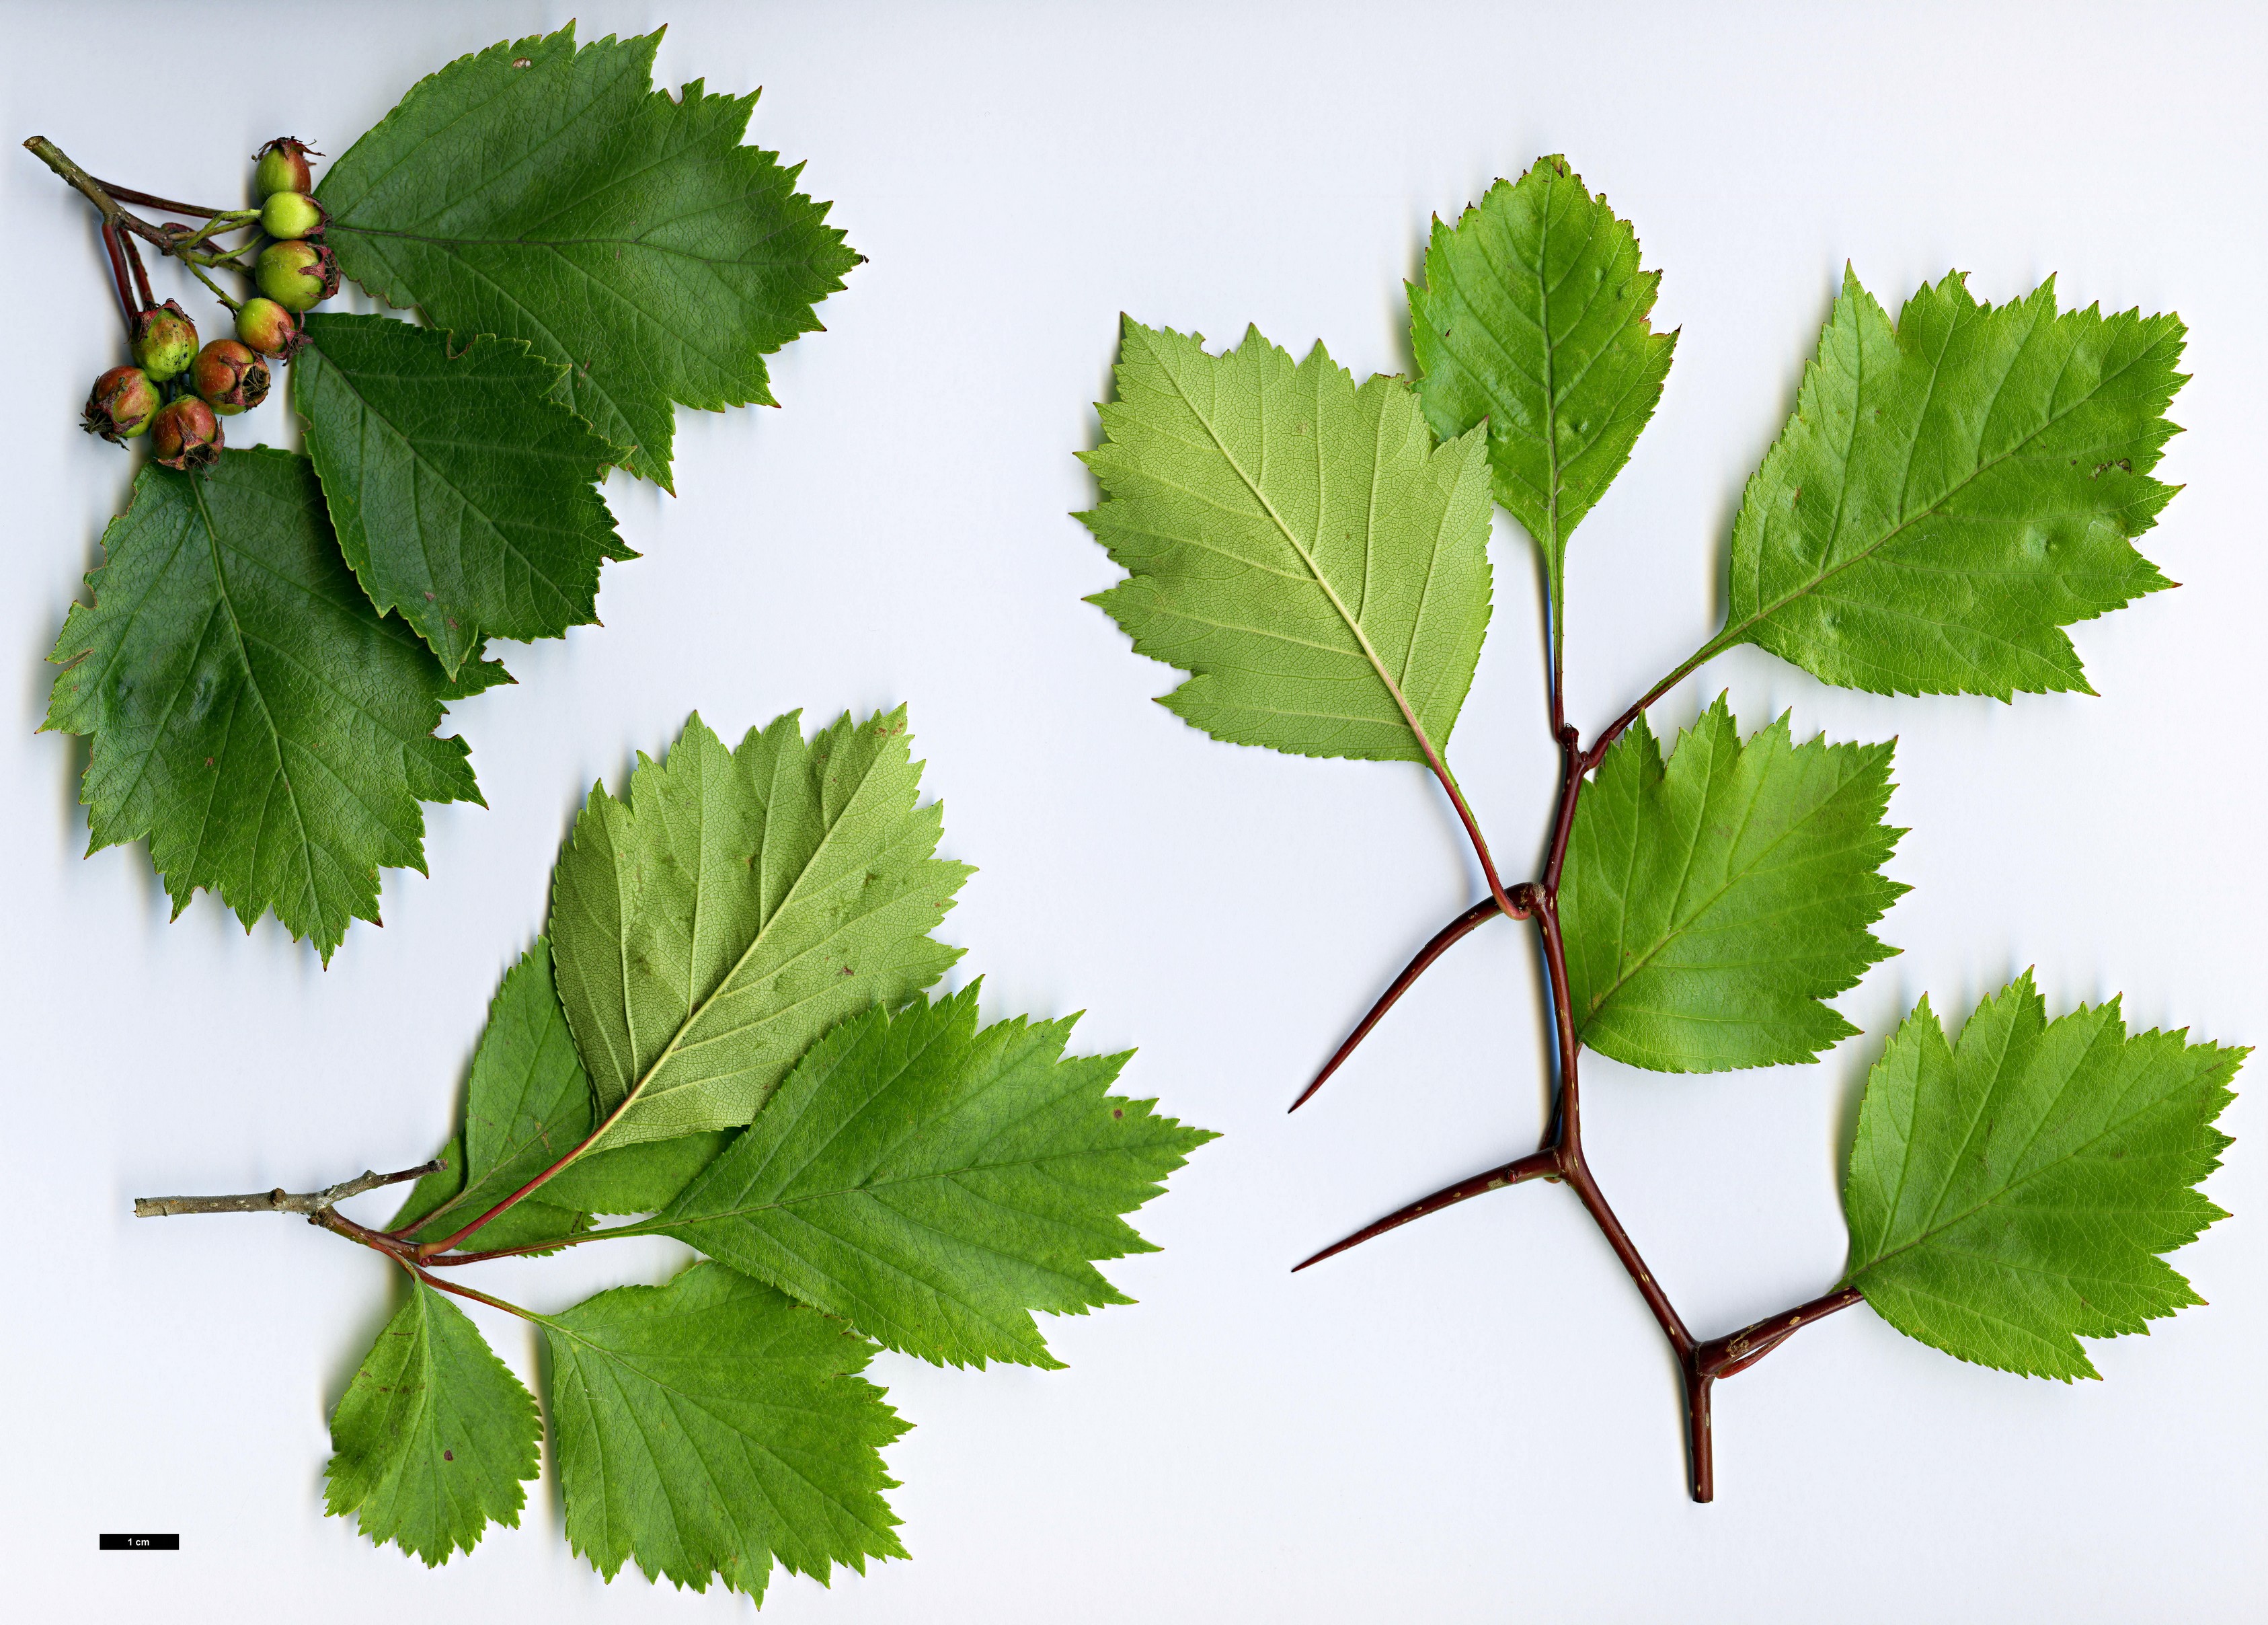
[2010, 1194]
[933, 1184]
[1710, 905]
[1298, 545]
[252, 717]
[528, 1104]
[710, 1426]
[1949, 494]
[433, 1437]
[710, 926]
[1534, 319]
[463, 494]
[642, 1177]
[553, 195]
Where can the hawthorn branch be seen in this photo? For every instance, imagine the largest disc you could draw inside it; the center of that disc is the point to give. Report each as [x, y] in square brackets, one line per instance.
[312, 1204]
[1729, 1356]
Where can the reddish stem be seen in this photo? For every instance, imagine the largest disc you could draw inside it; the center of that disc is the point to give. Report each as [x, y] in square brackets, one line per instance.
[1700, 1365]
[128, 195]
[141, 276]
[126, 306]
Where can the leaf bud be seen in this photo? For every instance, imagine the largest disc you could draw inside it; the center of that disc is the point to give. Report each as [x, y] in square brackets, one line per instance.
[122, 405]
[267, 328]
[185, 434]
[287, 214]
[297, 275]
[165, 341]
[229, 377]
[283, 167]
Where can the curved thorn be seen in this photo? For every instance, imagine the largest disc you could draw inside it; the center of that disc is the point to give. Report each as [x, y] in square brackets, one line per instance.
[1443, 940]
[1535, 1164]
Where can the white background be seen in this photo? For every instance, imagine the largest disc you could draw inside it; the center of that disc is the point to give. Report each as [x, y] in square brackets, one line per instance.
[1474, 1420]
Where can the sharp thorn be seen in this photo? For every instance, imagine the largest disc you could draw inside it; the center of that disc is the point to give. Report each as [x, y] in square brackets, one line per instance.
[1535, 1164]
[1441, 941]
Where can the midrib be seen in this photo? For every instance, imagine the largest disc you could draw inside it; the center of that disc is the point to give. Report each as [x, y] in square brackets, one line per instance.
[1337, 603]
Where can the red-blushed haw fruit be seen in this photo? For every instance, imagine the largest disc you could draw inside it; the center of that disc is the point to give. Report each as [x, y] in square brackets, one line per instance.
[267, 327]
[297, 275]
[185, 434]
[165, 341]
[283, 167]
[229, 377]
[287, 214]
[122, 405]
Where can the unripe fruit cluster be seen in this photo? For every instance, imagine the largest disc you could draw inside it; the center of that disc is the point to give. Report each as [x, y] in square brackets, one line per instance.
[292, 272]
[229, 375]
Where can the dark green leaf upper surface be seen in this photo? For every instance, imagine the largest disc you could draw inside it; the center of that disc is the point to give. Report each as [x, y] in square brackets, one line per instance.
[1952, 492]
[1533, 318]
[433, 1437]
[463, 495]
[638, 1177]
[252, 717]
[933, 1184]
[710, 1426]
[528, 1104]
[2010, 1194]
[1298, 545]
[554, 195]
[1711, 904]
[710, 926]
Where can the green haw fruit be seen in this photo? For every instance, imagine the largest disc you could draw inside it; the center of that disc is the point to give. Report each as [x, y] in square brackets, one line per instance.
[185, 434]
[267, 328]
[229, 377]
[165, 341]
[288, 215]
[282, 168]
[121, 404]
[297, 275]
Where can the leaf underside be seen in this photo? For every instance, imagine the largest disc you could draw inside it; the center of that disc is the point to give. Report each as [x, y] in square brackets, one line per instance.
[463, 494]
[553, 195]
[252, 715]
[1533, 318]
[1712, 903]
[1298, 544]
[1950, 493]
[711, 1427]
[709, 927]
[933, 1183]
[2010, 1192]
[434, 1436]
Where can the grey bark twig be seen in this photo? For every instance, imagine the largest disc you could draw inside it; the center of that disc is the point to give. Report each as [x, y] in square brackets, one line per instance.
[310, 1203]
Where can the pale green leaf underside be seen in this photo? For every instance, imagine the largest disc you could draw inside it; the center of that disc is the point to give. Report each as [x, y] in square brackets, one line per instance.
[1533, 318]
[1712, 903]
[555, 196]
[710, 1426]
[252, 716]
[934, 1183]
[1298, 545]
[433, 1437]
[707, 928]
[2010, 1194]
[463, 496]
[1950, 494]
